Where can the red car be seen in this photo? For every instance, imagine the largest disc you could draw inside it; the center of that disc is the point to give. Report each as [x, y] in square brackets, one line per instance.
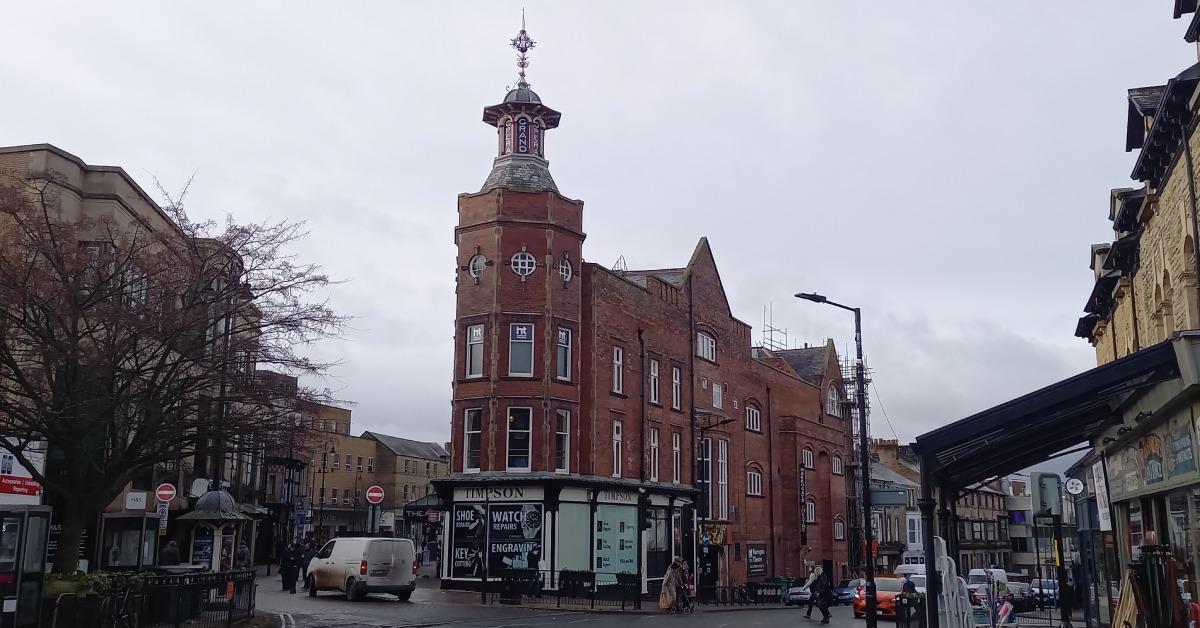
[886, 591]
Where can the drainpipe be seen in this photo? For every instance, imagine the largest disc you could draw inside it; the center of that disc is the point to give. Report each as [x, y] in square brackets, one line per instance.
[642, 405]
[771, 484]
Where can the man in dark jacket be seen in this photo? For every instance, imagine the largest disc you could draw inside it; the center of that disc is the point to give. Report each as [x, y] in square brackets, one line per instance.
[822, 590]
[294, 558]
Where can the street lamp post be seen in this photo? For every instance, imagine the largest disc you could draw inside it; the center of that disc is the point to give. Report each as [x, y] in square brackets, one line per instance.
[861, 395]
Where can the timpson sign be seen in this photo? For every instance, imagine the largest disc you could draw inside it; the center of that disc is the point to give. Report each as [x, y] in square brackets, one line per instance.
[498, 493]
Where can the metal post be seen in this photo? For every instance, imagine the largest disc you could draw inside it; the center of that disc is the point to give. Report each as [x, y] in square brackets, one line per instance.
[861, 394]
[933, 581]
[1064, 600]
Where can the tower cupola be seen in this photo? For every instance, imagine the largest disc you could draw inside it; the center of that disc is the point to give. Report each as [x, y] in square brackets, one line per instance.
[521, 122]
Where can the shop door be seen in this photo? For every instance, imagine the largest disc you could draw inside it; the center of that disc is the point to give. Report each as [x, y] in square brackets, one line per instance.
[23, 537]
[709, 570]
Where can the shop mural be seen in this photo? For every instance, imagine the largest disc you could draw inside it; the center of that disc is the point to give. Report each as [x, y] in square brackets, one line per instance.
[1162, 458]
[469, 528]
[616, 539]
[514, 536]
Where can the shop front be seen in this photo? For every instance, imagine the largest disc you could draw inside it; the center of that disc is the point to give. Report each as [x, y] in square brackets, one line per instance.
[556, 526]
[1154, 486]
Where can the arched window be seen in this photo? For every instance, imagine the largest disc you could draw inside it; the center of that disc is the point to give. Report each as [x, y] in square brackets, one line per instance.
[810, 511]
[806, 458]
[753, 418]
[833, 402]
[836, 464]
[839, 528]
[754, 482]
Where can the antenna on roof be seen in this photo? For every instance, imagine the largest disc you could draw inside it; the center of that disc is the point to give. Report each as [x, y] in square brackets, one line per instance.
[620, 266]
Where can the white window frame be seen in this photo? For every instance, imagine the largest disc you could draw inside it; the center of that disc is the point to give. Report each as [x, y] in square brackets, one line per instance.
[474, 344]
[523, 263]
[337, 461]
[723, 479]
[754, 483]
[810, 511]
[617, 443]
[718, 391]
[706, 346]
[753, 418]
[562, 439]
[806, 458]
[370, 464]
[676, 388]
[836, 464]
[839, 529]
[654, 454]
[562, 366]
[618, 370]
[508, 448]
[653, 381]
[676, 456]
[704, 458]
[833, 402]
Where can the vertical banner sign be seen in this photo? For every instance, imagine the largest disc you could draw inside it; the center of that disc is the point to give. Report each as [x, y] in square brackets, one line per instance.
[803, 509]
[756, 560]
[164, 510]
[1100, 490]
[522, 135]
[514, 537]
[468, 527]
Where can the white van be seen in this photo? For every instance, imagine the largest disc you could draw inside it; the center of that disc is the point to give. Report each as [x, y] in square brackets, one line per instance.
[358, 566]
[978, 579]
[910, 570]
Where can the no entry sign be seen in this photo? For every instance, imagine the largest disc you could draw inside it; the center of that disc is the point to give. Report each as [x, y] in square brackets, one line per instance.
[375, 494]
[165, 492]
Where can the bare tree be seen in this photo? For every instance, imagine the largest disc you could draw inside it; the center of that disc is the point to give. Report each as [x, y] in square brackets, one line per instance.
[124, 346]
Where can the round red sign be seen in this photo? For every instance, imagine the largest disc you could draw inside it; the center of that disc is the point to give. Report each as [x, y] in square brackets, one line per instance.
[165, 492]
[375, 494]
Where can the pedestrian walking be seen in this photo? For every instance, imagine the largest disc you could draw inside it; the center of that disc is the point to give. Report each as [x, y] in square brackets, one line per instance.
[823, 589]
[306, 554]
[812, 595]
[242, 558]
[295, 559]
[169, 555]
[672, 580]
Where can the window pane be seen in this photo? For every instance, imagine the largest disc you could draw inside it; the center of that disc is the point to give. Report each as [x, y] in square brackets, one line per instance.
[474, 439]
[520, 349]
[518, 437]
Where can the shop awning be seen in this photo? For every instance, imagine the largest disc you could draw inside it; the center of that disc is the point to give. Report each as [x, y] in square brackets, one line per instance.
[1031, 429]
[426, 503]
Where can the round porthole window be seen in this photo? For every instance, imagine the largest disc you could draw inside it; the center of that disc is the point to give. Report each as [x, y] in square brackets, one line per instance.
[523, 263]
[476, 266]
[564, 270]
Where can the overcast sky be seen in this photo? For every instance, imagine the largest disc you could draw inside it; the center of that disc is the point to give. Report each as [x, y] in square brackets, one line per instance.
[944, 165]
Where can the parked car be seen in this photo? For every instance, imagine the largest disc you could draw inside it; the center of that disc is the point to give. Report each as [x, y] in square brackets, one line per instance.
[798, 595]
[844, 591]
[886, 591]
[1045, 591]
[358, 566]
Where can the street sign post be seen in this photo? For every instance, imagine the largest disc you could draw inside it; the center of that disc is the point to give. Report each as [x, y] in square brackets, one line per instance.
[375, 494]
[164, 509]
[165, 492]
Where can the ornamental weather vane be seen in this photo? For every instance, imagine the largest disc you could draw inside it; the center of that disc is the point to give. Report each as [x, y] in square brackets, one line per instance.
[522, 43]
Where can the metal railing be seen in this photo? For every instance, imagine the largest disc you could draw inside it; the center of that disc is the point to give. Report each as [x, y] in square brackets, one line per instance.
[746, 594]
[206, 600]
[565, 589]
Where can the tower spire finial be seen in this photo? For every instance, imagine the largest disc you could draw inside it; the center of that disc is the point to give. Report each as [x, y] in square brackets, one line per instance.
[522, 43]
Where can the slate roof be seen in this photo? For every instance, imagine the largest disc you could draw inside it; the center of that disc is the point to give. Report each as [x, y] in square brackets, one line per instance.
[522, 173]
[1147, 99]
[411, 448]
[880, 473]
[809, 363]
[673, 276]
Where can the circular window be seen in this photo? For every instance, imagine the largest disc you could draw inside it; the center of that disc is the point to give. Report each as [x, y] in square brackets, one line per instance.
[565, 271]
[523, 263]
[476, 266]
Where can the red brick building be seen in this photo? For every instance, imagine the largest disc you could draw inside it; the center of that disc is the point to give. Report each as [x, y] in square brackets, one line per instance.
[590, 404]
